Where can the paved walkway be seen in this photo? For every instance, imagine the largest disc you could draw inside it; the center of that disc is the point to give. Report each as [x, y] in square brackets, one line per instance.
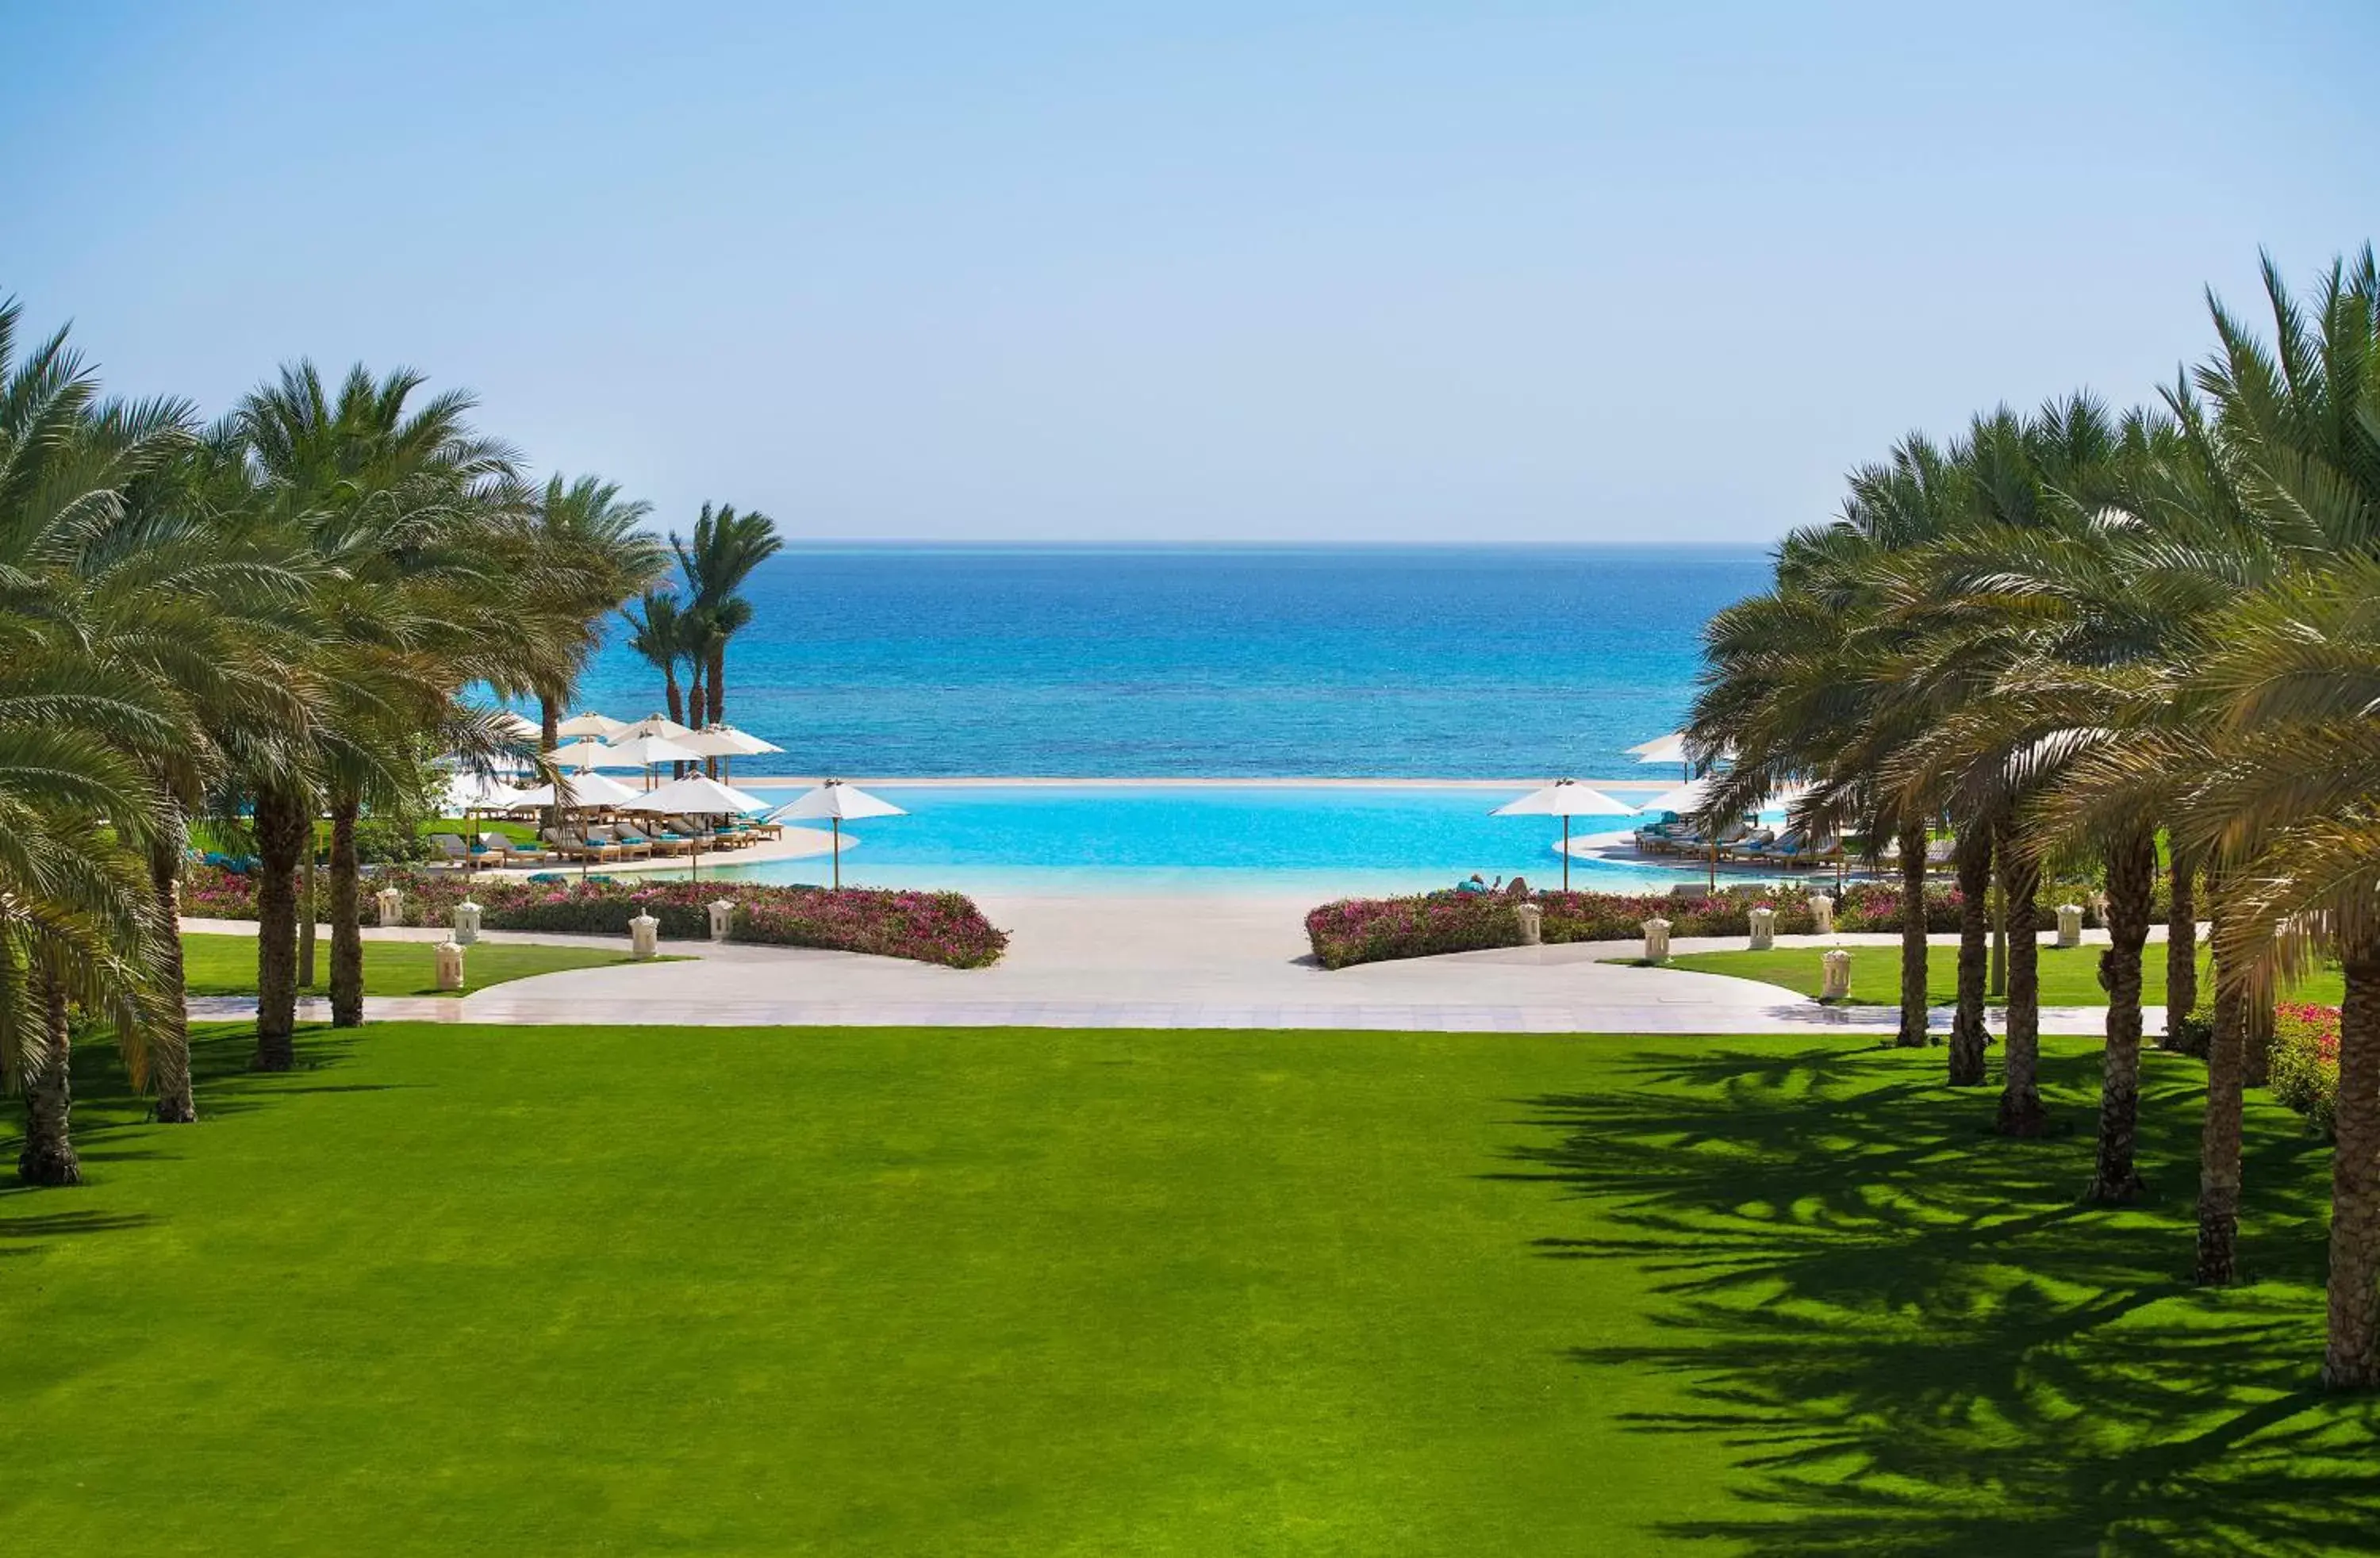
[1186, 961]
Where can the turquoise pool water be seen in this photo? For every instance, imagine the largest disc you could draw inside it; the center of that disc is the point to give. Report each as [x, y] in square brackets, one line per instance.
[1322, 841]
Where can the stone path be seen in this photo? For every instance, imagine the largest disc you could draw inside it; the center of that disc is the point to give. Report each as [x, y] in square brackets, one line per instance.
[1185, 961]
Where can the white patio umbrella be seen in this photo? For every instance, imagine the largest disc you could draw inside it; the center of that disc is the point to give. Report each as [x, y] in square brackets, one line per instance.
[1564, 799]
[520, 725]
[467, 792]
[582, 755]
[654, 724]
[1670, 748]
[835, 802]
[585, 790]
[600, 726]
[647, 752]
[1690, 797]
[725, 741]
[698, 796]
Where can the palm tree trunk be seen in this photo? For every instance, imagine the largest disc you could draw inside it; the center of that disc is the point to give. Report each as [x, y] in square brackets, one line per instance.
[1913, 937]
[676, 709]
[169, 1041]
[283, 832]
[718, 697]
[1999, 927]
[549, 737]
[2021, 1111]
[48, 1157]
[1968, 1035]
[306, 919]
[2132, 886]
[2256, 1041]
[2181, 951]
[2352, 1357]
[347, 916]
[2220, 1136]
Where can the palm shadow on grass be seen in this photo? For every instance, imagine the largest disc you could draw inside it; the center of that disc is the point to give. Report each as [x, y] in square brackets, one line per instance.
[113, 1124]
[1913, 1338]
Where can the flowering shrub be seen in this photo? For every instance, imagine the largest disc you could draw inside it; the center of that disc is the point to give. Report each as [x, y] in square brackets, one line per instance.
[1620, 916]
[1875, 906]
[2305, 1060]
[944, 927]
[1375, 930]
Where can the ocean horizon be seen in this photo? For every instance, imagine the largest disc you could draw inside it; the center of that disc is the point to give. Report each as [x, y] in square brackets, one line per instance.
[1158, 661]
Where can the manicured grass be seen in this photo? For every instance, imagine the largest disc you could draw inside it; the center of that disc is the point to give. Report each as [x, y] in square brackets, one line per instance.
[470, 827]
[1029, 1292]
[1186, 1292]
[216, 965]
[2070, 977]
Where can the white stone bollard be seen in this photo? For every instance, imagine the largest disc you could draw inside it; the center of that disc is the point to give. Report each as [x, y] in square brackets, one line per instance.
[1533, 920]
[467, 923]
[2069, 925]
[450, 966]
[1764, 929]
[1837, 983]
[723, 918]
[644, 937]
[1657, 941]
[1822, 910]
[392, 905]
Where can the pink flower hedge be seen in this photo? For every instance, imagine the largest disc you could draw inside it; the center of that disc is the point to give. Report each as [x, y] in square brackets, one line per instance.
[1358, 930]
[2304, 1061]
[944, 927]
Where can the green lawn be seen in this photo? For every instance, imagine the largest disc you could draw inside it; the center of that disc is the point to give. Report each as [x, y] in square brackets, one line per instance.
[515, 1291]
[216, 965]
[2070, 977]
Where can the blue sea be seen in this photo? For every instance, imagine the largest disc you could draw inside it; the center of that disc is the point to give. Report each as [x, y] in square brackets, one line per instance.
[1059, 662]
[1166, 663]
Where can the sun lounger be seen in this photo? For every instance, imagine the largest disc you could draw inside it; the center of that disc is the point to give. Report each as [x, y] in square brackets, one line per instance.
[1759, 846]
[728, 835]
[657, 844]
[499, 849]
[636, 849]
[572, 847]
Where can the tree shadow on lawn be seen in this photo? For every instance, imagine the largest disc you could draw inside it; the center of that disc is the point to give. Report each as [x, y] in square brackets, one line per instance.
[1916, 1340]
[112, 1122]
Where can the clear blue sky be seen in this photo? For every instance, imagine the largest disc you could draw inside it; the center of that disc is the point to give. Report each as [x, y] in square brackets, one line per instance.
[1571, 272]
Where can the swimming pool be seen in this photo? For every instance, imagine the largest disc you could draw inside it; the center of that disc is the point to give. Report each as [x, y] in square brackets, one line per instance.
[1323, 841]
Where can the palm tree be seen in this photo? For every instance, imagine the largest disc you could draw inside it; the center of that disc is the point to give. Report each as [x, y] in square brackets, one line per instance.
[722, 554]
[407, 512]
[1803, 680]
[211, 629]
[2289, 805]
[587, 553]
[77, 927]
[655, 632]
